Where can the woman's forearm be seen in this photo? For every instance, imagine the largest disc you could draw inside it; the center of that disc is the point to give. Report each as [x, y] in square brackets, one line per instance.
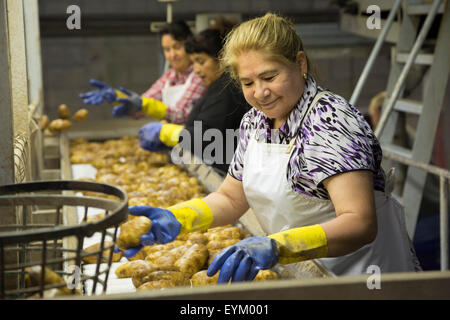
[347, 233]
[356, 222]
[228, 203]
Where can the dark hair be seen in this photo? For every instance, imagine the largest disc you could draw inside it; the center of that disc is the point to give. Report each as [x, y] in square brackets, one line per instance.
[179, 30]
[209, 41]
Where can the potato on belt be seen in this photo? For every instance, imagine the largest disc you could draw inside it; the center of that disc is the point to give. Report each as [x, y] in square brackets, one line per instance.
[131, 232]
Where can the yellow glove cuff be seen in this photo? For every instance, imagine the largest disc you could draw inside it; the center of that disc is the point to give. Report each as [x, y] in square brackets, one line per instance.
[153, 108]
[300, 244]
[170, 134]
[194, 215]
[119, 94]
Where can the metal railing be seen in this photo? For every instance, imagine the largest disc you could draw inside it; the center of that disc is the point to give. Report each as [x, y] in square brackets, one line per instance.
[399, 85]
[444, 177]
[373, 55]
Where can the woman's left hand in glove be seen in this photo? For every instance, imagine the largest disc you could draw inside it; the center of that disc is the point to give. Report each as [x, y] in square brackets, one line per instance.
[242, 261]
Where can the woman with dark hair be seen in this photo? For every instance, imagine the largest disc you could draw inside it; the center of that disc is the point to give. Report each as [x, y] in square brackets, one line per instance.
[172, 96]
[221, 107]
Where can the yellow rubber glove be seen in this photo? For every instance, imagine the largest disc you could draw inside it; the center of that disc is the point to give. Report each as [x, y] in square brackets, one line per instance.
[153, 108]
[194, 215]
[300, 244]
[170, 134]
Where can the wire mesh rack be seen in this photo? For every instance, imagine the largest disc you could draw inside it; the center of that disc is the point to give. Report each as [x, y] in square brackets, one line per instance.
[46, 259]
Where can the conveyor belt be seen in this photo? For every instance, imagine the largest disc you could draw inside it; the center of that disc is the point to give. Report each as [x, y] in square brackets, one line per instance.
[210, 180]
[114, 285]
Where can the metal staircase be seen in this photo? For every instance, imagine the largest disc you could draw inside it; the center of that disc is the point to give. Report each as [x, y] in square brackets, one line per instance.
[417, 59]
[406, 55]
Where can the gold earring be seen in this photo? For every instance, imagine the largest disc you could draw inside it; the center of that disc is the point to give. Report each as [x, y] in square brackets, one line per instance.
[305, 76]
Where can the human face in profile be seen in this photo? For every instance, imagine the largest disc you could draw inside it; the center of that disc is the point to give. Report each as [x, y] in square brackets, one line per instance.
[271, 86]
[175, 54]
[206, 66]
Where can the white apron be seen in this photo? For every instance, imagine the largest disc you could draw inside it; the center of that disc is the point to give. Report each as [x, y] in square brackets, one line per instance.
[172, 94]
[277, 208]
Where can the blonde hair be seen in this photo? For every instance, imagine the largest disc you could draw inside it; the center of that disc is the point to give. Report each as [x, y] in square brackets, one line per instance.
[272, 34]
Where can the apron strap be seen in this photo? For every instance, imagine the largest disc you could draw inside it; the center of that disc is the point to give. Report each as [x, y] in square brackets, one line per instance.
[389, 182]
[311, 106]
[187, 82]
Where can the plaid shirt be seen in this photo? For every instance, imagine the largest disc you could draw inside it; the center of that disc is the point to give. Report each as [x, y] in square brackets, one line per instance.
[179, 112]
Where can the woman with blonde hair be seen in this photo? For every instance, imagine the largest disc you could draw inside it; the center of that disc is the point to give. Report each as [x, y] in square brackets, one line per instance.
[307, 164]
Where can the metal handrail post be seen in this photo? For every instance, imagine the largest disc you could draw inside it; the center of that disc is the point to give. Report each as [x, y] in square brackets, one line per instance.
[444, 177]
[443, 222]
[412, 56]
[373, 55]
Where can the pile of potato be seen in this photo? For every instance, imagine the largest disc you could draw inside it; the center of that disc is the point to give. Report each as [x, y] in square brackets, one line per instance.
[184, 261]
[149, 179]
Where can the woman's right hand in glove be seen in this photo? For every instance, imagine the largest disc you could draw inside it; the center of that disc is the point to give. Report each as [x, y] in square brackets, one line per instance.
[167, 224]
[103, 93]
[165, 227]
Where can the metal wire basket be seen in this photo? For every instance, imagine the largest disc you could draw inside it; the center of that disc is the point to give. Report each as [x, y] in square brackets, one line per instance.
[33, 254]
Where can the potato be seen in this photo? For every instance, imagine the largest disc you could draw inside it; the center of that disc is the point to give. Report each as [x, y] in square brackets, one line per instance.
[177, 277]
[264, 275]
[44, 122]
[33, 276]
[165, 259]
[193, 259]
[66, 124]
[63, 112]
[213, 254]
[91, 259]
[201, 279]
[131, 232]
[151, 272]
[157, 284]
[221, 244]
[59, 125]
[96, 218]
[127, 270]
[80, 115]
[158, 247]
[224, 234]
[197, 237]
[138, 256]
[33, 279]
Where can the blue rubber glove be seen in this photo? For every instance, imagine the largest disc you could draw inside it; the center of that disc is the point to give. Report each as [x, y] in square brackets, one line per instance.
[149, 137]
[165, 227]
[129, 105]
[104, 92]
[242, 261]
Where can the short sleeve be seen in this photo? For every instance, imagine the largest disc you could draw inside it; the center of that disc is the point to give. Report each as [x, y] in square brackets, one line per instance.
[237, 162]
[336, 139]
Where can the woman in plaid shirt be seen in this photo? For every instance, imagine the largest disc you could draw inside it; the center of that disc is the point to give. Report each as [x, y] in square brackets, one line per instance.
[171, 97]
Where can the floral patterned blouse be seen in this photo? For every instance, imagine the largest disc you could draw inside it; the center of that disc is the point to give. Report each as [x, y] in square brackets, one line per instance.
[334, 138]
